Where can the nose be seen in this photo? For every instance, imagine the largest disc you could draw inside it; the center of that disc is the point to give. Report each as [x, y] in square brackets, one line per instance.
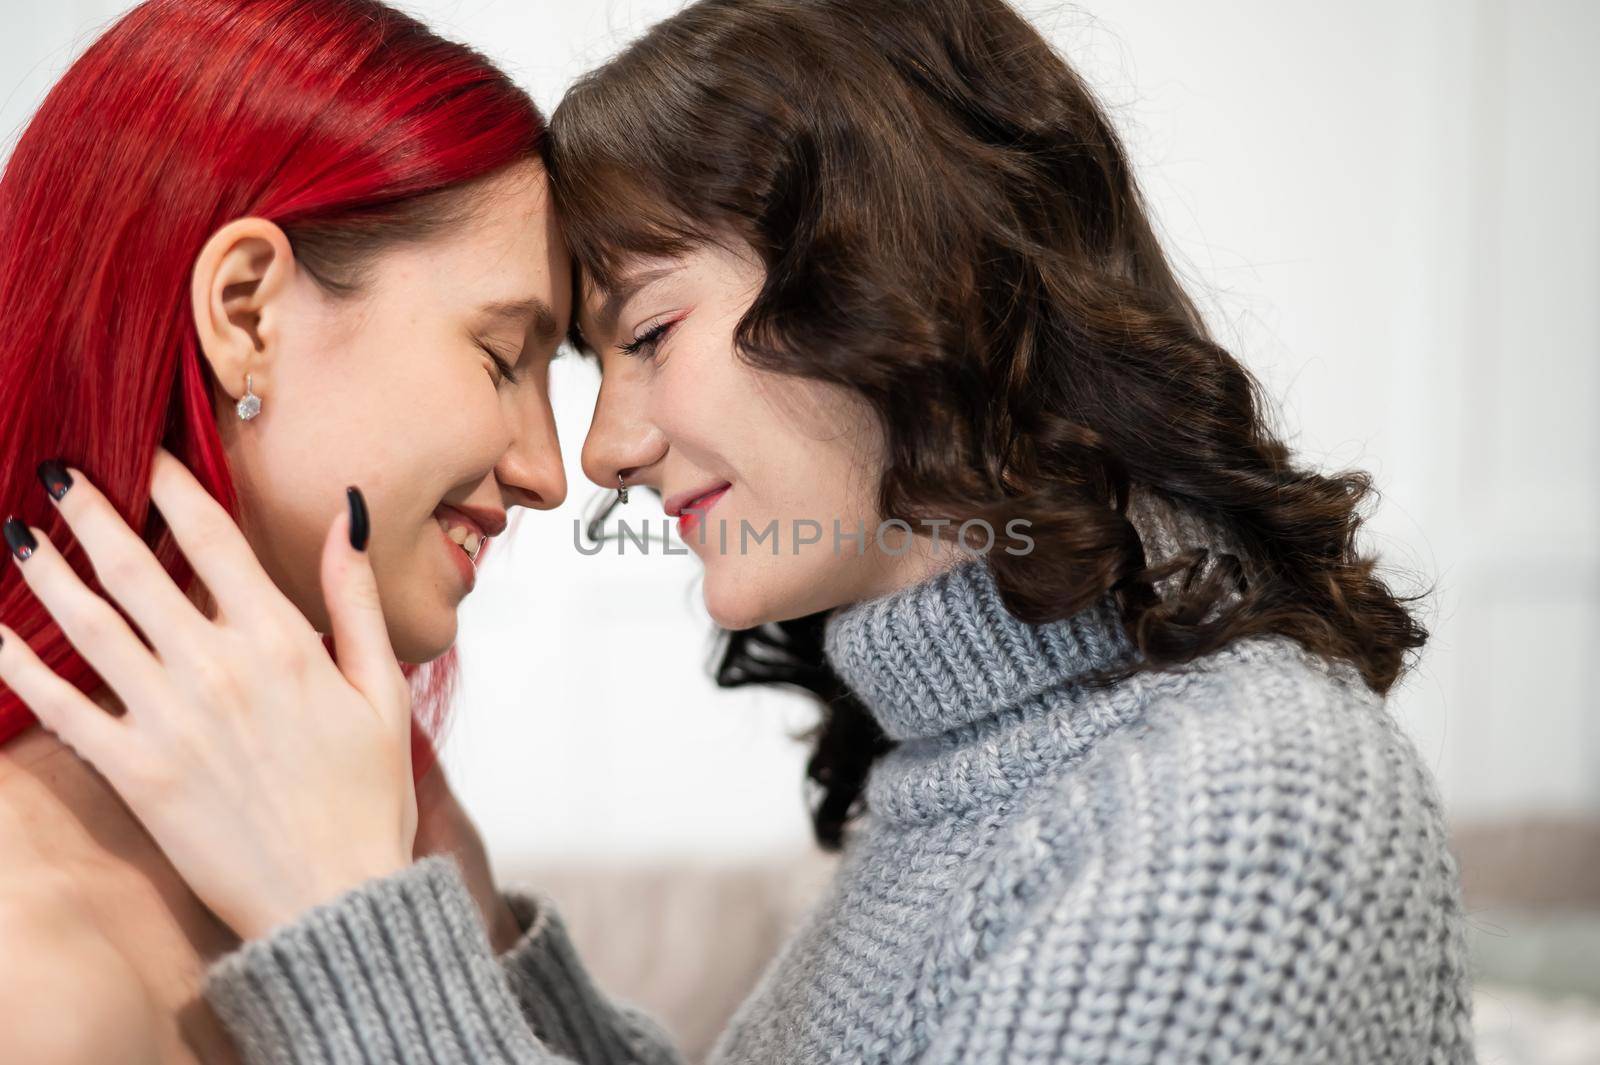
[622, 440]
[530, 471]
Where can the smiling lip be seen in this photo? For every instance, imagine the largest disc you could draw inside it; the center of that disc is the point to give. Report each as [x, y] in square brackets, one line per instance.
[465, 567]
[695, 499]
[476, 520]
[689, 507]
[481, 520]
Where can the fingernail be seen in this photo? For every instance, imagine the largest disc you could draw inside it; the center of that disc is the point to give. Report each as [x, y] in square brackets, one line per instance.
[55, 478]
[360, 524]
[20, 539]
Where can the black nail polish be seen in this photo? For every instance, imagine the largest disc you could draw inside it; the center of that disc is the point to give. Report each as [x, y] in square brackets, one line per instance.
[20, 539]
[360, 524]
[55, 478]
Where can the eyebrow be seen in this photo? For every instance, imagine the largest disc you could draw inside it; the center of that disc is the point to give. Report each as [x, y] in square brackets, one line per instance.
[606, 317]
[534, 308]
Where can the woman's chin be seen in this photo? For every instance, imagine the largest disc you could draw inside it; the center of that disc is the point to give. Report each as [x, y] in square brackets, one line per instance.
[415, 644]
[746, 600]
[730, 602]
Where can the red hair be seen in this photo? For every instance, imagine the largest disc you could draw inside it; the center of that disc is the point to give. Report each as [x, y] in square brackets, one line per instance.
[337, 118]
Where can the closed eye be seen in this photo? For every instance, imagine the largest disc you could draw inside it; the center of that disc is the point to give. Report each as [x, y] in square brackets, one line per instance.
[506, 371]
[647, 342]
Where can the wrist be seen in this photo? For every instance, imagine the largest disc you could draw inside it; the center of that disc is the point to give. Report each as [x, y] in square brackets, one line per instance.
[318, 888]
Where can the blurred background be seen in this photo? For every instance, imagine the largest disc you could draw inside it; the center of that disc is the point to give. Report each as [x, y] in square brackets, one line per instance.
[1391, 212]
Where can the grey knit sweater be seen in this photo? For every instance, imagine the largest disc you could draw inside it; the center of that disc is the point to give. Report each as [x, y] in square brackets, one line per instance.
[1242, 860]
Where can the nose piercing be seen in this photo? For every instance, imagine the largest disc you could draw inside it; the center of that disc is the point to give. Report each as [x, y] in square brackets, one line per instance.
[249, 404]
[622, 489]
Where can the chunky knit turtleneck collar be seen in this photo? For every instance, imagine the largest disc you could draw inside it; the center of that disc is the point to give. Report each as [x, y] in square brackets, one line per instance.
[982, 703]
[946, 653]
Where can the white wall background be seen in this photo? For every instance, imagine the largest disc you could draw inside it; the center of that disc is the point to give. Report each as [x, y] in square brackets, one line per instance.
[1391, 211]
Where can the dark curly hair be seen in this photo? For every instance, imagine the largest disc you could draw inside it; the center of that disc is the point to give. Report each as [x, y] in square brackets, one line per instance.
[950, 227]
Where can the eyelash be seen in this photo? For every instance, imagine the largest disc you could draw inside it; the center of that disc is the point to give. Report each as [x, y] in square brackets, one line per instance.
[505, 369]
[648, 339]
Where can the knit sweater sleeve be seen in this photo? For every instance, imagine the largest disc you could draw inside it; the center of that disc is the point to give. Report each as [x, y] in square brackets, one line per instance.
[400, 970]
[1258, 880]
[561, 1001]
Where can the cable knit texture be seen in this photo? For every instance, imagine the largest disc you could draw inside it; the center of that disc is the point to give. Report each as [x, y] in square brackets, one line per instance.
[1242, 860]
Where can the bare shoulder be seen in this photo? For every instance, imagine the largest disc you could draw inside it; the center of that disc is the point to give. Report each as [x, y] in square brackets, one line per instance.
[70, 995]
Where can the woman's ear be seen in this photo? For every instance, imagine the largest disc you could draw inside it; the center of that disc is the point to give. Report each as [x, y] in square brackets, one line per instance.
[241, 280]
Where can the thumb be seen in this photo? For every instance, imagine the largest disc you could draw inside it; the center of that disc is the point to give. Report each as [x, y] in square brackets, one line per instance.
[350, 590]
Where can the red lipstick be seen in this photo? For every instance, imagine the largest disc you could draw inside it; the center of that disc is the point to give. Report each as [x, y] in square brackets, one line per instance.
[690, 507]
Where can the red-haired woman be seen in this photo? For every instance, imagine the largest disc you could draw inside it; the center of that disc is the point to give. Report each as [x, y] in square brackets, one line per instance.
[300, 245]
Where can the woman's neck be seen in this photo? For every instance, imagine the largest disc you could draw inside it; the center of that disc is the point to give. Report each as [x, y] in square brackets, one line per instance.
[920, 560]
[68, 824]
[78, 816]
[43, 779]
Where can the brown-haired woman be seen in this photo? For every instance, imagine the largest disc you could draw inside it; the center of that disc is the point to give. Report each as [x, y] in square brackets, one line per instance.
[881, 316]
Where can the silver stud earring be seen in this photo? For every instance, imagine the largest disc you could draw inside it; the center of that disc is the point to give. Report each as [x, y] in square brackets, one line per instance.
[249, 404]
[622, 489]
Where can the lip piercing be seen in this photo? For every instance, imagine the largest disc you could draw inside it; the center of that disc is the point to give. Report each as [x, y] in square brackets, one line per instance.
[622, 489]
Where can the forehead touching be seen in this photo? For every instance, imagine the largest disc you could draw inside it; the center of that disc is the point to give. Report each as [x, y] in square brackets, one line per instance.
[506, 262]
